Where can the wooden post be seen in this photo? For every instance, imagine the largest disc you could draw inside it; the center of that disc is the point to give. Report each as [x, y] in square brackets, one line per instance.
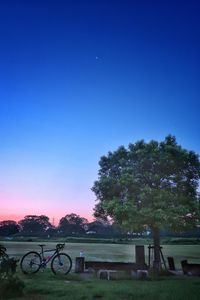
[149, 257]
[79, 265]
[171, 263]
[140, 256]
[184, 264]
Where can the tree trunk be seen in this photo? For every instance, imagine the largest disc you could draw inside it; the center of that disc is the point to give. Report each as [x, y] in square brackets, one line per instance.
[156, 243]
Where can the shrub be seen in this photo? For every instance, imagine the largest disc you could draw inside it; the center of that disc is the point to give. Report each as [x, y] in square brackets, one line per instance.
[11, 287]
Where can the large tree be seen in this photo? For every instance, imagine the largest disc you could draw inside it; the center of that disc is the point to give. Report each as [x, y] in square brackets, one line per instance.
[149, 184]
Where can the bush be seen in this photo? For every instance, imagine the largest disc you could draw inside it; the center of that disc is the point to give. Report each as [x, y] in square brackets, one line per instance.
[11, 287]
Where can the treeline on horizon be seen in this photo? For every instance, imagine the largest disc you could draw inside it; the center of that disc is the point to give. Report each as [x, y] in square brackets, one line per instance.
[69, 225]
[74, 225]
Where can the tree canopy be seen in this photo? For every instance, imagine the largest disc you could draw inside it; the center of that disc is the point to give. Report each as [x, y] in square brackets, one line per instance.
[149, 184]
[35, 225]
[72, 223]
[8, 227]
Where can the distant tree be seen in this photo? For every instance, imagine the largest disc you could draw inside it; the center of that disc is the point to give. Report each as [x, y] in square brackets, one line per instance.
[100, 226]
[150, 185]
[72, 224]
[35, 225]
[97, 227]
[8, 227]
[51, 231]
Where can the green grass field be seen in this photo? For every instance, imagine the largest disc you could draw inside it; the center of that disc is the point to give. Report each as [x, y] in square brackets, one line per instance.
[108, 252]
[46, 286]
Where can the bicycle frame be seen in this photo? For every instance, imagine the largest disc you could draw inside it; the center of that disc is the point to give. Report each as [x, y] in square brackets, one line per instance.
[46, 260]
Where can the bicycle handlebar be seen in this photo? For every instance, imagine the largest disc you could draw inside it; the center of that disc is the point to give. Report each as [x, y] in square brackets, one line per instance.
[60, 246]
[2, 250]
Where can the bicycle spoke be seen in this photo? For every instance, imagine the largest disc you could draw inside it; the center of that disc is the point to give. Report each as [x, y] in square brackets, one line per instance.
[61, 264]
[30, 262]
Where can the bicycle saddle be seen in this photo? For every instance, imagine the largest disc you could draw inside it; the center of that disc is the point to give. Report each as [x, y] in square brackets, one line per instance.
[41, 245]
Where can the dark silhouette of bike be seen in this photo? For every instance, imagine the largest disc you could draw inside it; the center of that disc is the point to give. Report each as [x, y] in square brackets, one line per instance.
[3, 254]
[33, 261]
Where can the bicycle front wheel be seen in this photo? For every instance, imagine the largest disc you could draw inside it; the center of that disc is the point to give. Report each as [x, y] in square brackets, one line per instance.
[30, 262]
[61, 264]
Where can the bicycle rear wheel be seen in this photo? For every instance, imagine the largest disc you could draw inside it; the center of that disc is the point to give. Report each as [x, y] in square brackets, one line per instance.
[61, 264]
[30, 262]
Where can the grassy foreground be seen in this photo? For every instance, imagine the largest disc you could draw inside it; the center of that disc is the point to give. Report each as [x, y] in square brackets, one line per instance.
[46, 286]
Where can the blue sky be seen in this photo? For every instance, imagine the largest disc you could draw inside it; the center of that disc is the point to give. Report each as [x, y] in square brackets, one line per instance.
[80, 78]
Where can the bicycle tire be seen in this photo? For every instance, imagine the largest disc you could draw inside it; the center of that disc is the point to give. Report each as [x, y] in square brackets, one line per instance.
[30, 262]
[61, 264]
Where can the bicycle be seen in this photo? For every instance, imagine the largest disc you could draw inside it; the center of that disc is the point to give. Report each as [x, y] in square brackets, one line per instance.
[3, 254]
[33, 261]
[7, 265]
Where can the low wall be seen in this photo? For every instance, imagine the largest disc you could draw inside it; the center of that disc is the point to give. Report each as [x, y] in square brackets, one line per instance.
[98, 265]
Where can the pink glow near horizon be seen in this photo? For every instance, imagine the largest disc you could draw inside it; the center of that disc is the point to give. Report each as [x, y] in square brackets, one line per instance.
[53, 219]
[51, 198]
[12, 209]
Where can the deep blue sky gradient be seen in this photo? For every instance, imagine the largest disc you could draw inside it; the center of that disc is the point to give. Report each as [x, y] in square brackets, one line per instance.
[80, 78]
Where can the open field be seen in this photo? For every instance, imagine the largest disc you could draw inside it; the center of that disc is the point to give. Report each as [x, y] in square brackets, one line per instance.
[108, 252]
[46, 286]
